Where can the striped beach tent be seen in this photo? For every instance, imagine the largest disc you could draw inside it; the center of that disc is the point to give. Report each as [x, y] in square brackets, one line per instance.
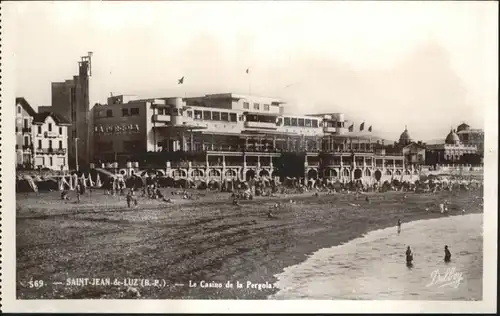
[75, 181]
[84, 181]
[91, 184]
[98, 182]
[70, 183]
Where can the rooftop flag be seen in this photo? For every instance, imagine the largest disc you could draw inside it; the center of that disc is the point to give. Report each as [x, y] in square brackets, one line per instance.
[362, 126]
[180, 81]
[351, 128]
[247, 71]
[370, 128]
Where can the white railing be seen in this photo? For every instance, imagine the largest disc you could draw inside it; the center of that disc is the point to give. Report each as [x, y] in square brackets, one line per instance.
[250, 124]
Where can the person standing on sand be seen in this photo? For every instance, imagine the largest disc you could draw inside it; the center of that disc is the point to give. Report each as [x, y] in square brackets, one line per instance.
[447, 254]
[129, 199]
[399, 226]
[77, 190]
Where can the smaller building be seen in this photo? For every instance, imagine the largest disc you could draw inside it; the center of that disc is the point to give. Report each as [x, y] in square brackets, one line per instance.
[414, 153]
[41, 138]
[471, 136]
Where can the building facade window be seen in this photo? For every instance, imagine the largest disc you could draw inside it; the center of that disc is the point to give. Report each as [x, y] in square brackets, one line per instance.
[50, 144]
[60, 144]
[287, 121]
[189, 114]
[207, 115]
[246, 105]
[26, 141]
[50, 127]
[256, 106]
[109, 113]
[301, 122]
[60, 131]
[134, 111]
[232, 117]
[216, 116]
[18, 110]
[294, 122]
[51, 162]
[39, 143]
[124, 112]
[224, 116]
[39, 129]
[266, 107]
[26, 123]
[197, 115]
[314, 123]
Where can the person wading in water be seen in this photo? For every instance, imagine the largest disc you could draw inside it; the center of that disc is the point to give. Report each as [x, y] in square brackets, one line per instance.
[399, 226]
[447, 254]
[409, 256]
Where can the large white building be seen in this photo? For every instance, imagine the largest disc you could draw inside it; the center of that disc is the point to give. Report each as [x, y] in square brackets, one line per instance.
[227, 136]
[41, 138]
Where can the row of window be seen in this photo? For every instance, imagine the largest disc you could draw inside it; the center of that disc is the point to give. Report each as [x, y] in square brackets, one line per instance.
[125, 112]
[213, 116]
[26, 143]
[256, 106]
[300, 122]
[39, 128]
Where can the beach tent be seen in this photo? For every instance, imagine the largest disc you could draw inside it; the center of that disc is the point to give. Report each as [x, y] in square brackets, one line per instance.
[91, 184]
[26, 184]
[98, 182]
[75, 180]
[63, 184]
[83, 180]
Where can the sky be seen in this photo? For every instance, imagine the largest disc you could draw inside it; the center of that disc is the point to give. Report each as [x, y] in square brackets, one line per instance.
[427, 65]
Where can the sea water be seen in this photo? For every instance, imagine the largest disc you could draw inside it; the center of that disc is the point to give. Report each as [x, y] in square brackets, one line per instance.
[373, 267]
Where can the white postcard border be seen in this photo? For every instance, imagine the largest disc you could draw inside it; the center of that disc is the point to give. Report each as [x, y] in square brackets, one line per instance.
[9, 303]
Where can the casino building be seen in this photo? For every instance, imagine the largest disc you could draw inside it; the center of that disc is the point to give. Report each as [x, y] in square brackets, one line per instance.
[230, 136]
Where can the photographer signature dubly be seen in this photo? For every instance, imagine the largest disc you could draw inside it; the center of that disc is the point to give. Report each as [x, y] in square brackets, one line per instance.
[450, 278]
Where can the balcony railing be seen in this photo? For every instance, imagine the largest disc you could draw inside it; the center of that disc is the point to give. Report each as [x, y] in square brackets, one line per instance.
[250, 124]
[51, 150]
[161, 118]
[51, 134]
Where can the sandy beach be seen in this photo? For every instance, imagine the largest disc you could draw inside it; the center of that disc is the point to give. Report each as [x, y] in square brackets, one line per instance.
[188, 242]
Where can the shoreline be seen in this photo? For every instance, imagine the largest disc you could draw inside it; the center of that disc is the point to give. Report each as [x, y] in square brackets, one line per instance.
[216, 243]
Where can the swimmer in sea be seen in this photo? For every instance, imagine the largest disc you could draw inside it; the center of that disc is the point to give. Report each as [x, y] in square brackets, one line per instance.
[447, 254]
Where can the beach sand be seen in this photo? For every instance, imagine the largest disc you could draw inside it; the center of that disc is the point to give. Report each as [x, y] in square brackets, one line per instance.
[208, 240]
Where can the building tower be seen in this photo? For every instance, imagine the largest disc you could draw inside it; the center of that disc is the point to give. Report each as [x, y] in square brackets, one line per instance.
[71, 100]
[405, 138]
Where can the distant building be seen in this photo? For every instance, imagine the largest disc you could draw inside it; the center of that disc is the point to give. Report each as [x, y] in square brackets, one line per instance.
[470, 136]
[452, 151]
[41, 138]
